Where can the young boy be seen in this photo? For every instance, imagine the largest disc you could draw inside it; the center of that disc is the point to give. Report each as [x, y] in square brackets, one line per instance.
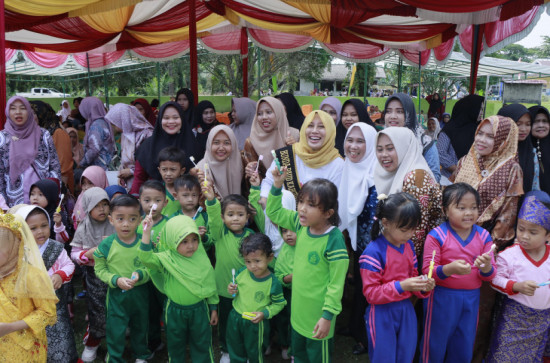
[171, 166]
[188, 193]
[117, 264]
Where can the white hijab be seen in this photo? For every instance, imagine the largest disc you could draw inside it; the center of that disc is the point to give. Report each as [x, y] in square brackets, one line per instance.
[409, 155]
[356, 180]
[64, 112]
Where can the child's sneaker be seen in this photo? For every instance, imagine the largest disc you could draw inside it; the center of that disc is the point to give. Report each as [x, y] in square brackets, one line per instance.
[225, 358]
[141, 361]
[284, 354]
[89, 354]
[268, 350]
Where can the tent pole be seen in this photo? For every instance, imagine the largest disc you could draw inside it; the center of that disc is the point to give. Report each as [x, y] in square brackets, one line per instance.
[158, 81]
[365, 85]
[399, 74]
[89, 79]
[477, 35]
[259, 51]
[106, 86]
[3, 90]
[244, 60]
[193, 51]
[419, 80]
[63, 80]
[486, 94]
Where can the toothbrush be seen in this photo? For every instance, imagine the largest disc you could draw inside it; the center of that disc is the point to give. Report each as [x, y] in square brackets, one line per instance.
[432, 263]
[258, 164]
[196, 214]
[193, 160]
[277, 163]
[58, 209]
[493, 248]
[205, 172]
[153, 208]
[233, 273]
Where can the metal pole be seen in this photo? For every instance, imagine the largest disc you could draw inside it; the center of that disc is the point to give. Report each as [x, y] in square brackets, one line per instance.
[365, 84]
[63, 84]
[106, 86]
[419, 80]
[193, 51]
[486, 94]
[399, 74]
[259, 51]
[158, 81]
[89, 79]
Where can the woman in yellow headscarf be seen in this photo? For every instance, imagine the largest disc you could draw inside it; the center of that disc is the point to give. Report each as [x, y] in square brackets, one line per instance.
[27, 297]
[314, 156]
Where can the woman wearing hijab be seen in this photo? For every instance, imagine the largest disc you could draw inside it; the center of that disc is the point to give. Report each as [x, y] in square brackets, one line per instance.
[526, 152]
[333, 107]
[541, 141]
[242, 115]
[47, 119]
[99, 142]
[65, 111]
[225, 168]
[432, 132]
[462, 127]
[205, 120]
[402, 168]
[491, 167]
[169, 131]
[135, 129]
[26, 292]
[444, 120]
[293, 110]
[314, 156]
[270, 131]
[77, 147]
[353, 111]
[399, 111]
[356, 208]
[145, 110]
[186, 100]
[27, 153]
[437, 108]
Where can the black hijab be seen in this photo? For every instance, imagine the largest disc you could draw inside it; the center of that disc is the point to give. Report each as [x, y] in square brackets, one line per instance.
[148, 151]
[542, 146]
[50, 190]
[526, 154]
[294, 112]
[201, 129]
[47, 118]
[341, 131]
[410, 112]
[435, 106]
[187, 114]
[461, 128]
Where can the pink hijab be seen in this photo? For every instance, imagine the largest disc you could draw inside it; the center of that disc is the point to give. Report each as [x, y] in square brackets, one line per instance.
[98, 177]
[25, 140]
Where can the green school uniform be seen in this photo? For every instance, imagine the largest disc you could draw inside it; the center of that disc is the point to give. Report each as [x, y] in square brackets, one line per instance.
[254, 198]
[115, 259]
[284, 266]
[189, 284]
[155, 233]
[172, 206]
[320, 267]
[285, 263]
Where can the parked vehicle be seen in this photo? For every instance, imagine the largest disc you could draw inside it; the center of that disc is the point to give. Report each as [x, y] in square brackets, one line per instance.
[43, 92]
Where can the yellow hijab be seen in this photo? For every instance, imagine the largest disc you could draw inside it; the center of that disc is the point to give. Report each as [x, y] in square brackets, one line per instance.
[317, 158]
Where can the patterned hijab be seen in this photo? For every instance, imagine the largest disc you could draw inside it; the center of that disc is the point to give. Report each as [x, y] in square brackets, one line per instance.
[91, 108]
[490, 174]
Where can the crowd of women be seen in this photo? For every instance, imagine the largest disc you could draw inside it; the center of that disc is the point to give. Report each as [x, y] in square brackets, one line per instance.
[501, 156]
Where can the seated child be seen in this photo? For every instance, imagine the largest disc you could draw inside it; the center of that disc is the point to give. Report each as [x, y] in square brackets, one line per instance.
[171, 166]
[259, 294]
[89, 234]
[117, 265]
[183, 272]
[61, 343]
[45, 193]
[523, 270]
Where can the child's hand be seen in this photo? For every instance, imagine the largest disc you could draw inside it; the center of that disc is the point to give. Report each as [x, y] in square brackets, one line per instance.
[57, 219]
[278, 179]
[526, 287]
[259, 317]
[90, 253]
[57, 281]
[125, 283]
[232, 288]
[287, 279]
[214, 317]
[250, 168]
[414, 284]
[146, 235]
[430, 285]
[202, 231]
[484, 262]
[263, 202]
[321, 329]
[208, 190]
[289, 139]
[458, 267]
[255, 179]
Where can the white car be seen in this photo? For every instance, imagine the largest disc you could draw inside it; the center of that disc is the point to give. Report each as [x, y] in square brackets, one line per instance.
[43, 92]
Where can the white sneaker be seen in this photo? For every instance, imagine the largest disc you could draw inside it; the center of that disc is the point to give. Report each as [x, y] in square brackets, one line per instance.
[89, 354]
[225, 358]
[141, 361]
[284, 354]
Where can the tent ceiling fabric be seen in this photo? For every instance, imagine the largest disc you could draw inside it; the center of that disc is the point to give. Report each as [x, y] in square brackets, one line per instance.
[355, 30]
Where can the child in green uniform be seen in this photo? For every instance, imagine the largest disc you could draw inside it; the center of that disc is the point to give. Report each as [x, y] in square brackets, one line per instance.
[171, 166]
[184, 273]
[320, 265]
[188, 190]
[259, 294]
[117, 264]
[226, 229]
[153, 192]
[283, 271]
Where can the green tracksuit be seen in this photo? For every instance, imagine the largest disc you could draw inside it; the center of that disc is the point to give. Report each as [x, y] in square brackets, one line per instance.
[172, 206]
[283, 267]
[320, 267]
[244, 338]
[115, 259]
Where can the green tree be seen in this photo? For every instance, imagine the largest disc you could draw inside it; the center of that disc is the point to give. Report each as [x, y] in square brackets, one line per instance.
[544, 50]
[515, 52]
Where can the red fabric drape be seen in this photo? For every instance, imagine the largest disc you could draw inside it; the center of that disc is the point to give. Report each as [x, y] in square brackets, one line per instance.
[164, 50]
[98, 60]
[477, 37]
[442, 51]
[413, 56]
[278, 40]
[3, 93]
[357, 51]
[230, 41]
[46, 60]
[453, 6]
[244, 57]
[16, 21]
[177, 17]
[193, 51]
[266, 15]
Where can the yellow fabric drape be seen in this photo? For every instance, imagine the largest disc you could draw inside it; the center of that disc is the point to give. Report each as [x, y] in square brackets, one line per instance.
[176, 34]
[319, 12]
[73, 7]
[108, 22]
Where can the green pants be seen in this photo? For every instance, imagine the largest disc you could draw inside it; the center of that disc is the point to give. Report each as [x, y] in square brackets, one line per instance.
[306, 350]
[188, 324]
[245, 339]
[127, 309]
[224, 307]
[282, 320]
[157, 300]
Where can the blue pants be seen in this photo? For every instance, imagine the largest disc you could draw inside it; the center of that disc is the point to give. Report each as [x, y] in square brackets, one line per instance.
[392, 332]
[450, 322]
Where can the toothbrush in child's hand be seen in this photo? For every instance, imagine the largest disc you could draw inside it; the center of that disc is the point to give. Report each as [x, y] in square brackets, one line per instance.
[492, 250]
[544, 283]
[258, 163]
[153, 208]
[196, 214]
[205, 171]
[432, 263]
[193, 160]
[233, 273]
[58, 209]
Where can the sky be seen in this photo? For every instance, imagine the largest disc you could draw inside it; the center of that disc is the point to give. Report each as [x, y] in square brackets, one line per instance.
[534, 39]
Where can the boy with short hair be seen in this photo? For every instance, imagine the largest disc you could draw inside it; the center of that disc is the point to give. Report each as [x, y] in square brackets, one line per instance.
[117, 264]
[171, 166]
[188, 194]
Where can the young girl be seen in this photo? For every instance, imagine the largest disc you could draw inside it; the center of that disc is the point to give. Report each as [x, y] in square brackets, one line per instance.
[45, 193]
[259, 293]
[522, 326]
[93, 176]
[389, 270]
[26, 292]
[462, 255]
[320, 264]
[88, 236]
[61, 343]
